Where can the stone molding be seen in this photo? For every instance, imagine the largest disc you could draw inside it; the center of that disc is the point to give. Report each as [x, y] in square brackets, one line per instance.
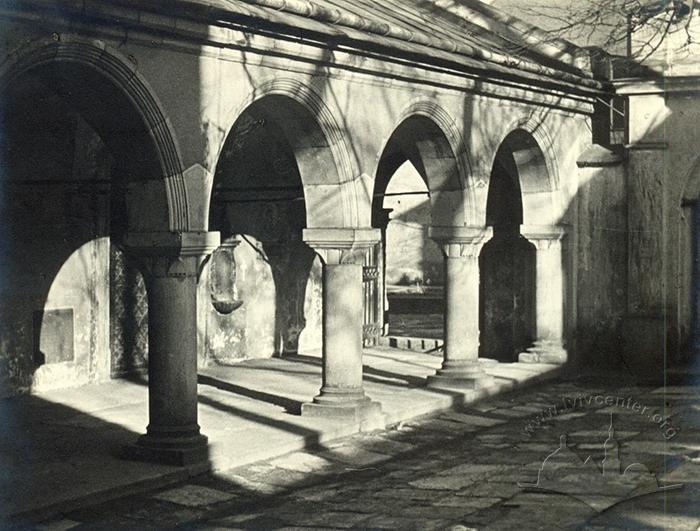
[460, 242]
[535, 124]
[325, 114]
[339, 246]
[597, 156]
[401, 40]
[176, 34]
[639, 86]
[110, 63]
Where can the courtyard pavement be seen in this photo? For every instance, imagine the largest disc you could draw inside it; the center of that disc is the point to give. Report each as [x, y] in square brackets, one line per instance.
[63, 450]
[560, 455]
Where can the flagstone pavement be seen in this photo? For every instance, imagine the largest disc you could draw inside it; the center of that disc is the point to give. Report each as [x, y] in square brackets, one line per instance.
[479, 467]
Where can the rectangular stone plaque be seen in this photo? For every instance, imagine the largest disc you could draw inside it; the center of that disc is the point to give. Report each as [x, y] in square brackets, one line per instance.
[53, 336]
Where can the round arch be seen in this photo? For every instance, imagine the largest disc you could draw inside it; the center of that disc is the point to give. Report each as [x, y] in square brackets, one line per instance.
[123, 74]
[439, 155]
[535, 126]
[340, 170]
[528, 141]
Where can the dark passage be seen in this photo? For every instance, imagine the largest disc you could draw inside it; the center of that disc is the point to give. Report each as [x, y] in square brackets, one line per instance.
[506, 265]
[507, 290]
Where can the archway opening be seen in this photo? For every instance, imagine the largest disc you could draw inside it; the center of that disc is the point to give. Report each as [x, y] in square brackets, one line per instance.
[73, 308]
[274, 150]
[416, 172]
[507, 261]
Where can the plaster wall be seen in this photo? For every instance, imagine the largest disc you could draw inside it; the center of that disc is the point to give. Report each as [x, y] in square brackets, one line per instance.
[202, 90]
[663, 178]
[269, 322]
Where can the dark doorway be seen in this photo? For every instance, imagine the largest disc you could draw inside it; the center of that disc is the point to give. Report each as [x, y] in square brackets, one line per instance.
[507, 268]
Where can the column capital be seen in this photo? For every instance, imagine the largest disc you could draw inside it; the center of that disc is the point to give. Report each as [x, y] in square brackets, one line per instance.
[460, 241]
[341, 245]
[543, 236]
[171, 254]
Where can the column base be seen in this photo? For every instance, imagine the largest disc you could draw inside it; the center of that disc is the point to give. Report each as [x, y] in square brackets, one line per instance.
[544, 352]
[456, 376]
[191, 452]
[352, 406]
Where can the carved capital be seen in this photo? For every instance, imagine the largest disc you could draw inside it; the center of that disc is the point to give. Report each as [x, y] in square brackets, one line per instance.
[544, 237]
[338, 246]
[460, 242]
[171, 254]
[169, 266]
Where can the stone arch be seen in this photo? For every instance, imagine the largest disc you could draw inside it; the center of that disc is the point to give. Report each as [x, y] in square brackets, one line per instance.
[123, 74]
[340, 171]
[535, 126]
[439, 154]
[529, 142]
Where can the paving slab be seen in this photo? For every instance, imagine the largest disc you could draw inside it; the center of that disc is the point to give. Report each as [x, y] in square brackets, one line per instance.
[431, 479]
[63, 448]
[194, 496]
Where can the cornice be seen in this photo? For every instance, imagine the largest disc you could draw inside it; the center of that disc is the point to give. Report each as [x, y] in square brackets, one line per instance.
[664, 85]
[131, 20]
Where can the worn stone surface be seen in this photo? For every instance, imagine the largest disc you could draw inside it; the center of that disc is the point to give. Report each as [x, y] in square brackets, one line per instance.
[431, 479]
[249, 413]
[193, 496]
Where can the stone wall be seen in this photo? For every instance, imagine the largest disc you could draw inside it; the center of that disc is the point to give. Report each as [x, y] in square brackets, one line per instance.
[601, 254]
[663, 182]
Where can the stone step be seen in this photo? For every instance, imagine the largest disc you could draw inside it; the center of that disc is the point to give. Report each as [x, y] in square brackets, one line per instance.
[418, 344]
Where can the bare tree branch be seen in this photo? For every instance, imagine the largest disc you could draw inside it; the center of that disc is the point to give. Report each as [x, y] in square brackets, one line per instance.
[609, 23]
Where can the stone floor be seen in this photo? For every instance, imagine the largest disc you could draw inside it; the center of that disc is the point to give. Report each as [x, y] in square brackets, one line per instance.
[61, 450]
[516, 461]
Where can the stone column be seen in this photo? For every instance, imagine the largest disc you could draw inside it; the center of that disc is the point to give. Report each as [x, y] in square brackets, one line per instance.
[342, 394]
[383, 217]
[171, 263]
[549, 296]
[461, 368]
